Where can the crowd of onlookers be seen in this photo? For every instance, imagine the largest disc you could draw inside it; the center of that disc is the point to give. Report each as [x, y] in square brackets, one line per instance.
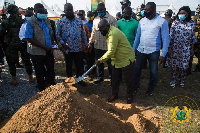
[101, 38]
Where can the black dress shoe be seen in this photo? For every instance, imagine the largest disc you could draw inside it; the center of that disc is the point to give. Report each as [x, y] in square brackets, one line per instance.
[112, 98]
[129, 100]
[82, 83]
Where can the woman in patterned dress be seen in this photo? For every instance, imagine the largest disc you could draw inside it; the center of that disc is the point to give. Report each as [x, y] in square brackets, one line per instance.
[181, 47]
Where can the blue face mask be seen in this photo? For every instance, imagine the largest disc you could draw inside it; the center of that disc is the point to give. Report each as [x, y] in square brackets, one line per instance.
[142, 13]
[27, 18]
[41, 16]
[181, 17]
[101, 14]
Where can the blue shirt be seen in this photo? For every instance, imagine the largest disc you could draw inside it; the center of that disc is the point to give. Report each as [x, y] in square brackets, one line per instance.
[90, 25]
[29, 32]
[149, 35]
[71, 32]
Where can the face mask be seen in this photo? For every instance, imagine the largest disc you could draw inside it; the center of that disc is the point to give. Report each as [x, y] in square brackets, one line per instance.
[104, 32]
[142, 13]
[126, 17]
[148, 14]
[91, 18]
[69, 15]
[181, 17]
[101, 14]
[27, 18]
[41, 16]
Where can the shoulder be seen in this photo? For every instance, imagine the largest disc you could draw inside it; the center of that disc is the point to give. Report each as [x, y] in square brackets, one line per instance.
[176, 22]
[143, 20]
[192, 21]
[161, 19]
[119, 22]
[134, 21]
[110, 16]
[78, 20]
[114, 31]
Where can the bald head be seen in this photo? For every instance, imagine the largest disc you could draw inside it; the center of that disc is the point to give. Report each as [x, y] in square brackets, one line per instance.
[151, 5]
[104, 27]
[150, 10]
[103, 23]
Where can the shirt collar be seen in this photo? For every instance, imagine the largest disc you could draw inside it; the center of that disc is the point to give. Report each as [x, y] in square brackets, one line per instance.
[106, 16]
[108, 32]
[155, 16]
[68, 19]
[129, 20]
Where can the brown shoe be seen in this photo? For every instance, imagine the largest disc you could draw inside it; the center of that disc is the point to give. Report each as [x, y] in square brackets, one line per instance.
[129, 100]
[112, 98]
[31, 79]
[14, 80]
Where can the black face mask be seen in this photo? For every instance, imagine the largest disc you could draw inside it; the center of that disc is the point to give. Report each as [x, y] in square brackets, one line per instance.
[69, 15]
[104, 32]
[148, 14]
[126, 17]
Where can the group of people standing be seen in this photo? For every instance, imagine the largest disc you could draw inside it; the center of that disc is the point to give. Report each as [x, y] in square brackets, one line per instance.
[102, 38]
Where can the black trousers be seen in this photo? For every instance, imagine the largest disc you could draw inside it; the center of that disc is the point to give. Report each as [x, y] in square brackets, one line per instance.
[77, 57]
[44, 69]
[128, 74]
[13, 58]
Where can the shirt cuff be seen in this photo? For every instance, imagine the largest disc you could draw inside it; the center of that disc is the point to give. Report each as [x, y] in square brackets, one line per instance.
[100, 60]
[62, 42]
[163, 53]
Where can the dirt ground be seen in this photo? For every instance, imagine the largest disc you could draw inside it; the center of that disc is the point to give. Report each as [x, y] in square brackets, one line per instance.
[73, 108]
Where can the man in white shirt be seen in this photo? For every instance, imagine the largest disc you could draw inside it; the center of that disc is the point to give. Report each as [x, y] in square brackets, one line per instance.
[152, 29]
[28, 14]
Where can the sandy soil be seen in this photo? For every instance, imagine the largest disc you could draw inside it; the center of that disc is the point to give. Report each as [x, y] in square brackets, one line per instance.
[61, 108]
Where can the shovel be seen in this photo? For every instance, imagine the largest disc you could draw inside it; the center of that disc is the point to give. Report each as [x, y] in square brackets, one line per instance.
[84, 75]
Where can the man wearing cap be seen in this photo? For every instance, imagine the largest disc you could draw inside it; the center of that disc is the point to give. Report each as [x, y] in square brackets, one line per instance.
[11, 27]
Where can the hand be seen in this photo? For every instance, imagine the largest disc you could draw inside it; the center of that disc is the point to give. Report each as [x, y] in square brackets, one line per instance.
[54, 43]
[161, 60]
[97, 62]
[135, 53]
[169, 52]
[86, 50]
[46, 48]
[90, 47]
[192, 52]
[66, 47]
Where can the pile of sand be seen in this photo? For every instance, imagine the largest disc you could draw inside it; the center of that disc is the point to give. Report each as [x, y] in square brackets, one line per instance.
[61, 108]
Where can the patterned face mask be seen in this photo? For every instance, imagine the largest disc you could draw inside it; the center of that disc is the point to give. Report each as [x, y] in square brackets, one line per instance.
[90, 18]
